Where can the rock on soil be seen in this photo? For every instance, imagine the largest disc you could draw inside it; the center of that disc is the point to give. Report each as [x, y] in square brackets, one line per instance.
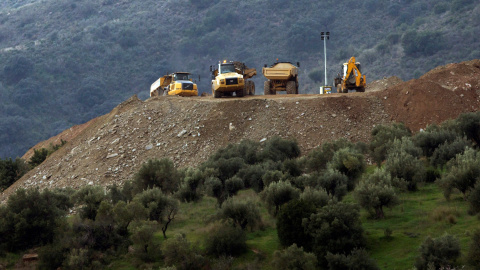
[111, 148]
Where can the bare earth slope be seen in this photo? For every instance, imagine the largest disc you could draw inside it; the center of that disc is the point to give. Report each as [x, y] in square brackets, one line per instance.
[111, 148]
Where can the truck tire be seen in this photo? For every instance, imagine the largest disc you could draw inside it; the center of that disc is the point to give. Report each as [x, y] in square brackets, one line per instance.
[252, 88]
[296, 87]
[217, 94]
[266, 88]
[361, 89]
[291, 87]
[241, 92]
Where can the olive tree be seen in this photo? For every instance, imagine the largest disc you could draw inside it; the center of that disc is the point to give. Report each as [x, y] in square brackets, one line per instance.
[278, 193]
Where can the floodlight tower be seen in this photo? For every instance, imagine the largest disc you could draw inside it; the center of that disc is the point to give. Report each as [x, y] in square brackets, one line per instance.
[325, 89]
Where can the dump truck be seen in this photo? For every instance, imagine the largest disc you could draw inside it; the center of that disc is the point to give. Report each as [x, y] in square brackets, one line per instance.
[177, 83]
[232, 77]
[281, 76]
[350, 77]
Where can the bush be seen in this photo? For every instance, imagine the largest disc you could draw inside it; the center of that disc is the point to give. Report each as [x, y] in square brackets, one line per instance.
[233, 185]
[349, 162]
[462, 173]
[190, 185]
[318, 198]
[335, 228]
[247, 150]
[146, 247]
[441, 252]
[225, 240]
[473, 256]
[89, 197]
[423, 43]
[358, 259]
[383, 136]
[31, 218]
[474, 198]
[17, 68]
[294, 258]
[157, 173]
[404, 168]
[469, 125]
[38, 157]
[434, 136]
[448, 150]
[241, 213]
[278, 149]
[278, 193]
[292, 167]
[178, 251]
[334, 182]
[375, 191]
[318, 158]
[252, 177]
[11, 171]
[404, 144]
[226, 168]
[289, 223]
[271, 176]
[215, 189]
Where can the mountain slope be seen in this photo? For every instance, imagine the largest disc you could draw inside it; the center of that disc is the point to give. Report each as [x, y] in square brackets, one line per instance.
[111, 148]
[64, 62]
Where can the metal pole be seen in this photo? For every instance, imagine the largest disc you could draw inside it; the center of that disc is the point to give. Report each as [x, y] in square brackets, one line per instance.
[325, 52]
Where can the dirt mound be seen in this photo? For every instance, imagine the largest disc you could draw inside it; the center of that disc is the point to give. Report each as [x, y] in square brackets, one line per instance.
[380, 85]
[111, 148]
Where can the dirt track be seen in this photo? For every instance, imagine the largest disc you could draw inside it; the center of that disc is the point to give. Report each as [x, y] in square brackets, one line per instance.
[110, 148]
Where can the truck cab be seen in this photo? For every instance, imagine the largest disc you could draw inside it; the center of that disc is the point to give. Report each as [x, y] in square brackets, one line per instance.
[178, 83]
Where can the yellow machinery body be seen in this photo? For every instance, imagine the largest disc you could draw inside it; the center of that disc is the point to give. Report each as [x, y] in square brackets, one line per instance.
[232, 77]
[175, 84]
[351, 77]
[281, 76]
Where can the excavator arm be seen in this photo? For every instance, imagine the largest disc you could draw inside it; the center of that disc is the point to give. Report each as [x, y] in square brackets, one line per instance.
[352, 68]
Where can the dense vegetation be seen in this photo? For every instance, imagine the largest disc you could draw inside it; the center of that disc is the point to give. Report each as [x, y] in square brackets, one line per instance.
[64, 62]
[317, 211]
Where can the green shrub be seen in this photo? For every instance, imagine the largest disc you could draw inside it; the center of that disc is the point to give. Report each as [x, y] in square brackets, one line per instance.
[334, 182]
[278, 149]
[448, 150]
[89, 197]
[469, 125]
[358, 259]
[404, 144]
[252, 177]
[190, 185]
[278, 193]
[383, 136]
[292, 167]
[317, 197]
[434, 136]
[179, 252]
[423, 43]
[233, 185]
[157, 173]
[441, 252]
[215, 189]
[246, 150]
[241, 213]
[271, 176]
[146, 247]
[462, 173]
[474, 198]
[294, 258]
[349, 162]
[38, 157]
[376, 191]
[335, 228]
[318, 158]
[473, 255]
[404, 168]
[289, 223]
[225, 240]
[11, 171]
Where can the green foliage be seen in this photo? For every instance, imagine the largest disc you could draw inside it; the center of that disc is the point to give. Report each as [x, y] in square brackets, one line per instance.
[358, 259]
[430, 139]
[278, 149]
[157, 173]
[462, 173]
[38, 157]
[376, 191]
[318, 198]
[448, 150]
[405, 168]
[246, 150]
[146, 247]
[252, 177]
[294, 258]
[334, 182]
[179, 252]
[335, 228]
[469, 125]
[383, 136]
[278, 193]
[31, 218]
[318, 158]
[289, 223]
[233, 185]
[89, 197]
[240, 213]
[474, 198]
[11, 171]
[226, 240]
[349, 162]
[17, 68]
[423, 43]
[473, 256]
[406, 145]
[190, 185]
[441, 252]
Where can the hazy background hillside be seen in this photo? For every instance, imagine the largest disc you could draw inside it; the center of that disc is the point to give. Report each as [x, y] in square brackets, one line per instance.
[64, 62]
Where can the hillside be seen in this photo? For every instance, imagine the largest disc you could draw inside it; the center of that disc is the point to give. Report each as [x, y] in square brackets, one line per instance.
[64, 62]
[111, 148]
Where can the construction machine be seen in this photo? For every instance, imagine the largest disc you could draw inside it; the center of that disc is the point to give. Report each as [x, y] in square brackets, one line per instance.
[232, 77]
[178, 83]
[281, 76]
[351, 77]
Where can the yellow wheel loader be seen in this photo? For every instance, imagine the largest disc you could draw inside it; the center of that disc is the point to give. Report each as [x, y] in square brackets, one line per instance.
[178, 83]
[232, 77]
[351, 77]
[281, 76]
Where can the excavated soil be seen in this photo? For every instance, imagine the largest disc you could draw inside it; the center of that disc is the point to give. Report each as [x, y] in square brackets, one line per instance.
[111, 148]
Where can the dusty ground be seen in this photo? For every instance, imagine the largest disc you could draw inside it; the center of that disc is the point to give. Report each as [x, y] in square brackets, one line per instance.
[111, 148]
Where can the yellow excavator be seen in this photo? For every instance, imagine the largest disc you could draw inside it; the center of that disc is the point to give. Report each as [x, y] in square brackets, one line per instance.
[351, 77]
[232, 77]
[178, 83]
